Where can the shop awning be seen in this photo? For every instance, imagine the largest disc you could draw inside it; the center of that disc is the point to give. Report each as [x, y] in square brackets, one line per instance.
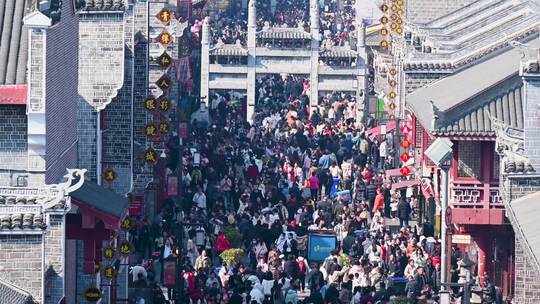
[405, 184]
[390, 126]
[396, 172]
[104, 204]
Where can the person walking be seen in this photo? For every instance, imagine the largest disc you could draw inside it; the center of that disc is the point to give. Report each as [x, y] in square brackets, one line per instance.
[404, 210]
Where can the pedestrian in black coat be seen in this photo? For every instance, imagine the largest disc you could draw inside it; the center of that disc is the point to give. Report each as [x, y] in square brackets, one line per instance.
[315, 277]
[404, 209]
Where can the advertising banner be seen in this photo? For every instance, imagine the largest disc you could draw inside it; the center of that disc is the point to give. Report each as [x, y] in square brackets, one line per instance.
[320, 246]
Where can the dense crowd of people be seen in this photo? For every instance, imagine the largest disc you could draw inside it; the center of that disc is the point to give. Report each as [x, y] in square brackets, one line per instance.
[337, 21]
[263, 187]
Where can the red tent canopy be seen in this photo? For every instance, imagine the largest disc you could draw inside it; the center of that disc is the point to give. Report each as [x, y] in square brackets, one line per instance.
[390, 125]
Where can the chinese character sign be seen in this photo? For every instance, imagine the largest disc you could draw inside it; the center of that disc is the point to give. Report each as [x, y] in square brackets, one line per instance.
[150, 156]
[109, 272]
[108, 252]
[125, 248]
[109, 175]
[150, 104]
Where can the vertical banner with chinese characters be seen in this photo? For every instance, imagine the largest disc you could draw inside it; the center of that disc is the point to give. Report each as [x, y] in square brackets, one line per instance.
[165, 29]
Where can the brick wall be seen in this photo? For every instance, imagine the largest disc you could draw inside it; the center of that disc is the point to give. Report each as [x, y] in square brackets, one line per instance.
[86, 134]
[527, 288]
[84, 280]
[531, 124]
[54, 268]
[520, 185]
[101, 69]
[527, 274]
[61, 94]
[36, 68]
[13, 129]
[118, 116]
[421, 11]
[20, 262]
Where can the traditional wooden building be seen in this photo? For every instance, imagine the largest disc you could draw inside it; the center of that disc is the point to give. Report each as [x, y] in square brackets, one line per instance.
[461, 77]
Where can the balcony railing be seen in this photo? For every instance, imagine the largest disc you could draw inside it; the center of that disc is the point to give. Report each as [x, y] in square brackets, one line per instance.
[475, 195]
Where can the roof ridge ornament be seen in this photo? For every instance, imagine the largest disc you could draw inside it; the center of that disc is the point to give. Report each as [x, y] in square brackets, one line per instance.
[510, 146]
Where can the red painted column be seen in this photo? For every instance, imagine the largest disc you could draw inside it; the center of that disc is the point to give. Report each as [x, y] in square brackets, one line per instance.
[482, 242]
[89, 255]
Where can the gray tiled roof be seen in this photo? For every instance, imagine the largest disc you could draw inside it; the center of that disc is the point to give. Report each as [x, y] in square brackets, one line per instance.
[474, 32]
[284, 33]
[506, 107]
[14, 42]
[338, 52]
[12, 294]
[23, 221]
[461, 99]
[229, 50]
[101, 5]
[102, 199]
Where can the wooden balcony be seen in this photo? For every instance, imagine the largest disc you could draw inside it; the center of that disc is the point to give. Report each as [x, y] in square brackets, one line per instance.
[476, 203]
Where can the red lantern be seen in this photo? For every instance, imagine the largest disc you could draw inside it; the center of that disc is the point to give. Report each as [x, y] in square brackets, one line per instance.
[405, 130]
[405, 171]
[405, 144]
[405, 157]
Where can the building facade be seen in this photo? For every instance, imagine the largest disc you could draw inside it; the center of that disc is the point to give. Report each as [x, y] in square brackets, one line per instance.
[72, 91]
[462, 81]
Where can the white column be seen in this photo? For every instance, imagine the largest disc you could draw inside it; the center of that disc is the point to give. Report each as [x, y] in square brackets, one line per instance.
[361, 89]
[205, 59]
[251, 74]
[37, 25]
[315, 45]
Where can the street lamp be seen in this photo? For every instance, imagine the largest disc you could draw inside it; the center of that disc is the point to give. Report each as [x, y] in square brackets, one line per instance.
[440, 152]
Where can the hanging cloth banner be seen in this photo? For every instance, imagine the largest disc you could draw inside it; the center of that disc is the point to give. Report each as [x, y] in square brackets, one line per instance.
[182, 72]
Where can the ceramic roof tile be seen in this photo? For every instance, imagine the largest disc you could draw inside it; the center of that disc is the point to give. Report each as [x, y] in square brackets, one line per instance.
[475, 120]
[12, 294]
[101, 5]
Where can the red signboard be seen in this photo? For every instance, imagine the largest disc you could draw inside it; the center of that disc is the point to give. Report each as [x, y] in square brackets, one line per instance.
[427, 191]
[182, 130]
[172, 185]
[135, 209]
[169, 272]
